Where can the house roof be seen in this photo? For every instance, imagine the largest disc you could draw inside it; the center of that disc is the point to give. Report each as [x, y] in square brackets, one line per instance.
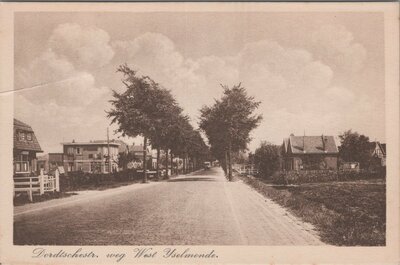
[136, 148]
[285, 144]
[95, 142]
[25, 145]
[380, 145]
[312, 145]
[383, 146]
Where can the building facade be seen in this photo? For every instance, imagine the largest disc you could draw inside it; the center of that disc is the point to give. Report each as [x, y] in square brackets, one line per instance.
[92, 157]
[309, 153]
[26, 146]
[51, 162]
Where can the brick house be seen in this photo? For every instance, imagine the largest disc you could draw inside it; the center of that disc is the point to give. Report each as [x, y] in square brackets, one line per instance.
[26, 146]
[90, 156]
[309, 153]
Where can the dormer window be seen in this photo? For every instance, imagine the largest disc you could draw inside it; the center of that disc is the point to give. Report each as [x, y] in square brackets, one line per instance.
[29, 136]
[21, 136]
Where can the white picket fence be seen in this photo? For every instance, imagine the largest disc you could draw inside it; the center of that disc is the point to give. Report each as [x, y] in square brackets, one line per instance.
[245, 169]
[37, 184]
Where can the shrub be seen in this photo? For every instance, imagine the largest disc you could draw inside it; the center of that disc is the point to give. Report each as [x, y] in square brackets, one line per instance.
[78, 180]
[313, 176]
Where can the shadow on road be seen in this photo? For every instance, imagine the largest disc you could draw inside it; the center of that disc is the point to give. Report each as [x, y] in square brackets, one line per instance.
[191, 179]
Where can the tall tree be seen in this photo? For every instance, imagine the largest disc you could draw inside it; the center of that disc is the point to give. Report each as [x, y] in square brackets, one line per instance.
[355, 147]
[135, 110]
[229, 121]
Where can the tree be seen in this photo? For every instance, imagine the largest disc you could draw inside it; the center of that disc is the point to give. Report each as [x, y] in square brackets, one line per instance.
[354, 148]
[267, 158]
[228, 123]
[137, 109]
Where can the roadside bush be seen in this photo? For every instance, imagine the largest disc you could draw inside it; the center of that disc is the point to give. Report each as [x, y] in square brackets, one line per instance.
[79, 180]
[313, 176]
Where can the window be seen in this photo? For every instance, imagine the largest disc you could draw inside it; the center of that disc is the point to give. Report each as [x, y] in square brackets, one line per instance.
[90, 156]
[78, 151]
[22, 136]
[70, 150]
[29, 136]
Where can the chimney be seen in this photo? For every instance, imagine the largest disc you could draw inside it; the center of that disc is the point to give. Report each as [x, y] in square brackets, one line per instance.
[324, 143]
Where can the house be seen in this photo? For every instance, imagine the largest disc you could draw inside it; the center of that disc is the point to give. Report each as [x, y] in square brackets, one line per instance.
[90, 156]
[137, 151]
[26, 146]
[378, 154]
[50, 162]
[309, 153]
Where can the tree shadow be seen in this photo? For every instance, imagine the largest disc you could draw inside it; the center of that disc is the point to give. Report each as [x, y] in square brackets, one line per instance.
[191, 179]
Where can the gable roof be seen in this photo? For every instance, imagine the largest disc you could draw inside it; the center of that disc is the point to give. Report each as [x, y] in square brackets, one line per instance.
[312, 145]
[381, 146]
[285, 144]
[26, 145]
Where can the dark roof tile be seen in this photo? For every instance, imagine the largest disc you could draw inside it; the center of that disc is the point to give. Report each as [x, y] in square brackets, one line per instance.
[312, 144]
[32, 145]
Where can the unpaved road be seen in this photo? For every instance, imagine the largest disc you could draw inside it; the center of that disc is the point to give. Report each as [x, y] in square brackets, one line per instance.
[200, 209]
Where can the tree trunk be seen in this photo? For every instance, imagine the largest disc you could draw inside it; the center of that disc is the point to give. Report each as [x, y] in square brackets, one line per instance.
[166, 163]
[226, 163]
[230, 163]
[158, 163]
[184, 164]
[144, 160]
[172, 163]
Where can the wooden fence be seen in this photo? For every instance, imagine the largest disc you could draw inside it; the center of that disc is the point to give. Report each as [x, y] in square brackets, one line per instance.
[37, 184]
[245, 169]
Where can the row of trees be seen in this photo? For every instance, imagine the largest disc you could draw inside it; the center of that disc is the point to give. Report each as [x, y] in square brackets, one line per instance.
[228, 123]
[147, 109]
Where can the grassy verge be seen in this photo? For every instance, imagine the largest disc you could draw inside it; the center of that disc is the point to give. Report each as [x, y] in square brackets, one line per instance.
[22, 199]
[345, 213]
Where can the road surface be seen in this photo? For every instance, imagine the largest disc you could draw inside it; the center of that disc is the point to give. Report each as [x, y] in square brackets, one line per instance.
[198, 209]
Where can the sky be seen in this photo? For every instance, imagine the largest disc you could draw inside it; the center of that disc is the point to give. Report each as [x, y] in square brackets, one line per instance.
[314, 73]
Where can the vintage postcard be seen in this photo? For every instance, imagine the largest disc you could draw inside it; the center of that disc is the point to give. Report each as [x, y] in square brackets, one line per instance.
[224, 133]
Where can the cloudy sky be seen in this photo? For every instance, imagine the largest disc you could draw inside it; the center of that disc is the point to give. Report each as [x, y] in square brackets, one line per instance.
[321, 73]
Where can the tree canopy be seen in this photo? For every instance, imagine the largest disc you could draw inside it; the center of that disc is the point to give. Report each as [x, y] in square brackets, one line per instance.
[229, 121]
[355, 147]
[267, 158]
[147, 109]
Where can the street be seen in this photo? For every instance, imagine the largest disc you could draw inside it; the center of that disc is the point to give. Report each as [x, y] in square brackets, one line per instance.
[198, 209]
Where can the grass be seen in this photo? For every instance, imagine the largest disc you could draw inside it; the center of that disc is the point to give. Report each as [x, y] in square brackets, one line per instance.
[22, 198]
[346, 213]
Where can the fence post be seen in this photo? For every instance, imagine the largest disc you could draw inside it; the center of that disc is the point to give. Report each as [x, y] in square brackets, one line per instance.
[30, 190]
[57, 179]
[41, 183]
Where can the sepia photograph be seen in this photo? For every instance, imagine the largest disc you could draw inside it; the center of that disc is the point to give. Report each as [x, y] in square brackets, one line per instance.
[199, 128]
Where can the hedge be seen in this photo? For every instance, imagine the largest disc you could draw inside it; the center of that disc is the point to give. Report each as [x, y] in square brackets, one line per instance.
[313, 176]
[78, 180]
